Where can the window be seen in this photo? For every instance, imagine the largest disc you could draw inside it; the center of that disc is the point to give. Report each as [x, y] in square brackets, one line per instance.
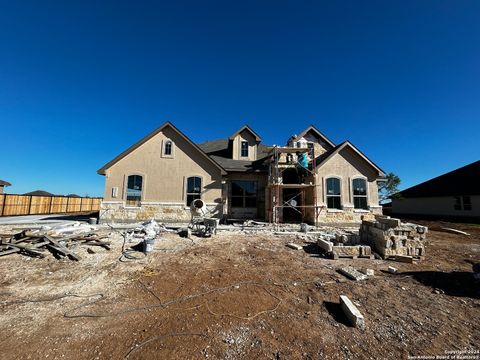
[244, 194]
[310, 145]
[168, 147]
[333, 193]
[244, 149]
[114, 192]
[167, 150]
[462, 203]
[359, 194]
[194, 189]
[134, 190]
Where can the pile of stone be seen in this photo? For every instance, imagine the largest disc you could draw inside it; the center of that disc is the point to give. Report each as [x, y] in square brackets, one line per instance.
[390, 237]
[347, 244]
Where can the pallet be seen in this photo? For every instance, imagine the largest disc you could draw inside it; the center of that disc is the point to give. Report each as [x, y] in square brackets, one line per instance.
[336, 256]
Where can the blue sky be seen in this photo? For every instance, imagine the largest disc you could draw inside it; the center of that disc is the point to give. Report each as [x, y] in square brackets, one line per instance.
[82, 81]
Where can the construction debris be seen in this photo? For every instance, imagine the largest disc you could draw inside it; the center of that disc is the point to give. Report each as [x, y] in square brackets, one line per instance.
[455, 231]
[390, 237]
[344, 244]
[295, 246]
[368, 272]
[34, 244]
[352, 273]
[392, 270]
[352, 313]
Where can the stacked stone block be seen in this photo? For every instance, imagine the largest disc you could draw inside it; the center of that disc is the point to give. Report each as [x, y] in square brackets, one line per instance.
[390, 237]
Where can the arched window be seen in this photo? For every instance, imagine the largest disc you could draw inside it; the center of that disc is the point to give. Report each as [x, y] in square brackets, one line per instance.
[334, 196]
[359, 187]
[194, 189]
[168, 148]
[134, 190]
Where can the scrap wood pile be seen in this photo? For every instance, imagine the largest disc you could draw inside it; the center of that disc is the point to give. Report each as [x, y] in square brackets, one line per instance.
[61, 241]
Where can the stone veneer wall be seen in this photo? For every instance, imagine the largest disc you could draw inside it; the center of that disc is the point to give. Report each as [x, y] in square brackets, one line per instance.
[115, 211]
[348, 214]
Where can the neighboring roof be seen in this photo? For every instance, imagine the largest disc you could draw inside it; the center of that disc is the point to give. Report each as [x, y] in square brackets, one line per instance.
[4, 183]
[317, 132]
[39, 193]
[101, 171]
[73, 195]
[220, 152]
[322, 159]
[462, 181]
[248, 128]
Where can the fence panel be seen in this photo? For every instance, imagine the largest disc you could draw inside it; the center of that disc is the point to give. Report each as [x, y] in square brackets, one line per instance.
[13, 204]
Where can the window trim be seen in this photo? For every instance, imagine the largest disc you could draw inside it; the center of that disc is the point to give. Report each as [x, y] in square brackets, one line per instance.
[142, 194]
[366, 191]
[185, 188]
[341, 191]
[172, 151]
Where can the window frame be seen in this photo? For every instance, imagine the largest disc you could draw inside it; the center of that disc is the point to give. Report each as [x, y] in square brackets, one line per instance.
[187, 194]
[460, 203]
[244, 196]
[360, 196]
[142, 191]
[327, 196]
[164, 148]
[242, 142]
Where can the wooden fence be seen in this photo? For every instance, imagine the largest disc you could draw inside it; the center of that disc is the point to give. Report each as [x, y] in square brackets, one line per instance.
[12, 204]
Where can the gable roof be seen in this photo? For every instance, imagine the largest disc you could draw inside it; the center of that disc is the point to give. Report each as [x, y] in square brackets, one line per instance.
[322, 159]
[462, 181]
[101, 171]
[248, 128]
[219, 151]
[317, 132]
[4, 183]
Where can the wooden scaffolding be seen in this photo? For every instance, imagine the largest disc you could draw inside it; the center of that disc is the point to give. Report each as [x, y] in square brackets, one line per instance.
[305, 201]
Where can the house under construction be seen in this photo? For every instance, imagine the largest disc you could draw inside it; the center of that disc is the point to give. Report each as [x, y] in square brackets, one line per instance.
[310, 179]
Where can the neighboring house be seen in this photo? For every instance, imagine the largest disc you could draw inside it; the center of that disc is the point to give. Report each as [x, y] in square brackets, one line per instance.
[3, 184]
[39, 193]
[454, 194]
[159, 177]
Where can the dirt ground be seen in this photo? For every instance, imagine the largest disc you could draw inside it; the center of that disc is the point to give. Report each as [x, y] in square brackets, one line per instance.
[240, 296]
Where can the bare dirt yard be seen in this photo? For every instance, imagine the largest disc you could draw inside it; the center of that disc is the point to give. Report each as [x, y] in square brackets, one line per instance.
[240, 296]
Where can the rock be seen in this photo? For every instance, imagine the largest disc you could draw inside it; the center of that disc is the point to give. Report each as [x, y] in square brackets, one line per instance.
[392, 270]
[295, 246]
[352, 313]
[368, 272]
[352, 273]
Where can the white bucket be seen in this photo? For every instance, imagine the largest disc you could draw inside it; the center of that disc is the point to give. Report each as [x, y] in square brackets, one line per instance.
[148, 245]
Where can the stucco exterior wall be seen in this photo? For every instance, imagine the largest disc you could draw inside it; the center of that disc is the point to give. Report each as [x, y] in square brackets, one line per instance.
[164, 180]
[435, 206]
[237, 145]
[347, 165]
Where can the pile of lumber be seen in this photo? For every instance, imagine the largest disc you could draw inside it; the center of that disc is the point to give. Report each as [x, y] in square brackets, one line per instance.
[37, 244]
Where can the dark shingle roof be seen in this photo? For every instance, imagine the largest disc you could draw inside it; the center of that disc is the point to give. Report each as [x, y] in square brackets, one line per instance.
[462, 181]
[4, 183]
[221, 152]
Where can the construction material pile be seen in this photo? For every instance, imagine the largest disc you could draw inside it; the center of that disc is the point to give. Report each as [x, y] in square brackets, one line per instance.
[390, 237]
[61, 241]
[347, 244]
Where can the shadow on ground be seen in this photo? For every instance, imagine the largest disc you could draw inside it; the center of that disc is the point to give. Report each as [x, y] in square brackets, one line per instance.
[73, 217]
[312, 249]
[455, 283]
[335, 310]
